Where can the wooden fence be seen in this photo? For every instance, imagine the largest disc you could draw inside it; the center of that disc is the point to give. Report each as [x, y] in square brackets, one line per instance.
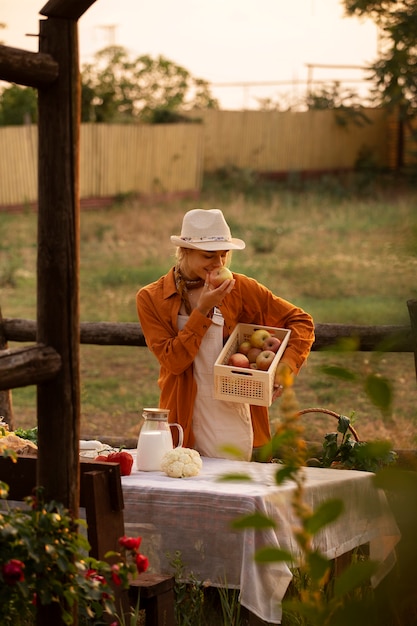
[165, 159]
[114, 160]
[36, 363]
[275, 142]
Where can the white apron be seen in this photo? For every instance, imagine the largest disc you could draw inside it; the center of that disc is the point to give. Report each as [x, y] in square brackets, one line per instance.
[217, 423]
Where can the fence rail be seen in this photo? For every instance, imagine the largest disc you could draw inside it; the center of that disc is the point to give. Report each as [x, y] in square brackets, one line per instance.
[30, 365]
[390, 337]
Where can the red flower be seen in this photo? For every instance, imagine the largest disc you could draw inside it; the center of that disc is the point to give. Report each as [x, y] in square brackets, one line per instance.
[13, 572]
[115, 569]
[130, 543]
[142, 563]
[93, 575]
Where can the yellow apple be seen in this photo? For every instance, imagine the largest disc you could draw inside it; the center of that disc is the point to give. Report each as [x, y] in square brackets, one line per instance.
[244, 347]
[219, 275]
[258, 337]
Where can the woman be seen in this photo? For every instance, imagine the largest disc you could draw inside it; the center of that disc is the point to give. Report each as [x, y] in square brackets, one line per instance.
[186, 321]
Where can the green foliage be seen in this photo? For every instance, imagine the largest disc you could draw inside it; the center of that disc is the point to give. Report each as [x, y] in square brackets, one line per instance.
[189, 595]
[346, 104]
[377, 387]
[18, 105]
[43, 562]
[31, 434]
[117, 88]
[394, 71]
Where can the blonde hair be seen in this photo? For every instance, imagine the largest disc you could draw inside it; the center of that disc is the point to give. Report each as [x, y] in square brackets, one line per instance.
[181, 255]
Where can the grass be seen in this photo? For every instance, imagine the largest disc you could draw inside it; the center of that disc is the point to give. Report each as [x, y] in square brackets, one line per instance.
[345, 251]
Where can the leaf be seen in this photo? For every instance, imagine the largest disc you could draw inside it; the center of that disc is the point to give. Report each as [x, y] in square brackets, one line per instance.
[398, 481]
[318, 565]
[353, 577]
[339, 372]
[344, 423]
[271, 555]
[325, 514]
[344, 344]
[256, 520]
[286, 473]
[231, 477]
[379, 391]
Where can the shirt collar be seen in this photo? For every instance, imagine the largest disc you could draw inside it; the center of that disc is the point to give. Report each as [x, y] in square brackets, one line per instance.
[170, 288]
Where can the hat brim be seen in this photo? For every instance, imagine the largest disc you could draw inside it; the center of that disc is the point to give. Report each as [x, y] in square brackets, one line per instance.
[210, 246]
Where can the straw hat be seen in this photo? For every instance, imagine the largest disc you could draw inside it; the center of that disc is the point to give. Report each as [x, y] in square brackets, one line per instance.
[206, 229]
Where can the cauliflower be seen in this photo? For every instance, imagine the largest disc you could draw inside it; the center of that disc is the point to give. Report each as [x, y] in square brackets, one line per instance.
[181, 462]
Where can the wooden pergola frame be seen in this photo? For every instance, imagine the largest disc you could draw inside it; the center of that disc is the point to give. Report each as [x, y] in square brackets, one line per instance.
[54, 72]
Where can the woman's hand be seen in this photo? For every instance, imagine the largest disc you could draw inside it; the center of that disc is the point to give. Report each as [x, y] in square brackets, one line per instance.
[211, 297]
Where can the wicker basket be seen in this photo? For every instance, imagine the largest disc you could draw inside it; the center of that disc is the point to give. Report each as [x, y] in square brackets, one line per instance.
[328, 412]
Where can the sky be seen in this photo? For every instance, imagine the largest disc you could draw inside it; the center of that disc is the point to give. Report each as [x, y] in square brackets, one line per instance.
[222, 41]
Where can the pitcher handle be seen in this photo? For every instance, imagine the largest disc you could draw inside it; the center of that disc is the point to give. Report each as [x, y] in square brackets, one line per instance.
[180, 435]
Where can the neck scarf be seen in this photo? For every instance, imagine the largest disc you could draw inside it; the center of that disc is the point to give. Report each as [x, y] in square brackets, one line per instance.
[185, 285]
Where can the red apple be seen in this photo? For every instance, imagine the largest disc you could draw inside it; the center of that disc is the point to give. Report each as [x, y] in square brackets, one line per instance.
[258, 337]
[219, 275]
[253, 354]
[271, 343]
[264, 359]
[244, 347]
[238, 360]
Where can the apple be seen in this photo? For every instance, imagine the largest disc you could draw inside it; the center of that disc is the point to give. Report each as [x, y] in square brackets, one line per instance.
[253, 353]
[219, 275]
[238, 360]
[271, 343]
[244, 347]
[264, 359]
[253, 366]
[258, 337]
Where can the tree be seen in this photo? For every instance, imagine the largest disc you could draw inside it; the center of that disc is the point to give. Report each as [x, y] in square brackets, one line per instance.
[18, 105]
[345, 103]
[116, 88]
[394, 72]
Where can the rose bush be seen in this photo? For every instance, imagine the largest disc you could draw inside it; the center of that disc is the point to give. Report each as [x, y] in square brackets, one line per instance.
[43, 560]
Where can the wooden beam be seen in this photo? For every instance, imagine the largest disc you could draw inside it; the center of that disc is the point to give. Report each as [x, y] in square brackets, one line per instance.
[6, 407]
[68, 9]
[20, 367]
[58, 400]
[412, 310]
[31, 69]
[393, 338]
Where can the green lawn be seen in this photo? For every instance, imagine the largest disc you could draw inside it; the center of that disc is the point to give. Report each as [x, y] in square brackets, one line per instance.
[345, 256]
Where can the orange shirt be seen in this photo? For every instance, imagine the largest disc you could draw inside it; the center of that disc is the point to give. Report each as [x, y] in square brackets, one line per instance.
[249, 302]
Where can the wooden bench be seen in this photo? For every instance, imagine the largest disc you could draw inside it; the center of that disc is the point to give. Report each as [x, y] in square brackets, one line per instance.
[102, 497]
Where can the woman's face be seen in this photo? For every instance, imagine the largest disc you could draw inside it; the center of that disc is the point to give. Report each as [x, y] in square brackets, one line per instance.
[197, 263]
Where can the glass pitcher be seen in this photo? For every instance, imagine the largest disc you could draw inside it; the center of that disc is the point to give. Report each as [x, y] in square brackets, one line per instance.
[155, 439]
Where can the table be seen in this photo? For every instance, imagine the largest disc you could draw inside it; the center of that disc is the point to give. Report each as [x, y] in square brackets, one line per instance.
[193, 516]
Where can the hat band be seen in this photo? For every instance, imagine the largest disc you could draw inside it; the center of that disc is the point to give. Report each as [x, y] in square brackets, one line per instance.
[205, 239]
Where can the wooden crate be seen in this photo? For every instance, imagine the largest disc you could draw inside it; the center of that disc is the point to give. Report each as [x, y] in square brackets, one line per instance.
[240, 384]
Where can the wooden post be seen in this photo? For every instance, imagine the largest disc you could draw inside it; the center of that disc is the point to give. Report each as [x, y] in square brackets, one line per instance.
[412, 310]
[58, 400]
[6, 408]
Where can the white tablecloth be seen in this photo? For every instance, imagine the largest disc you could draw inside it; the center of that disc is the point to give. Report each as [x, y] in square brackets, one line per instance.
[193, 516]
